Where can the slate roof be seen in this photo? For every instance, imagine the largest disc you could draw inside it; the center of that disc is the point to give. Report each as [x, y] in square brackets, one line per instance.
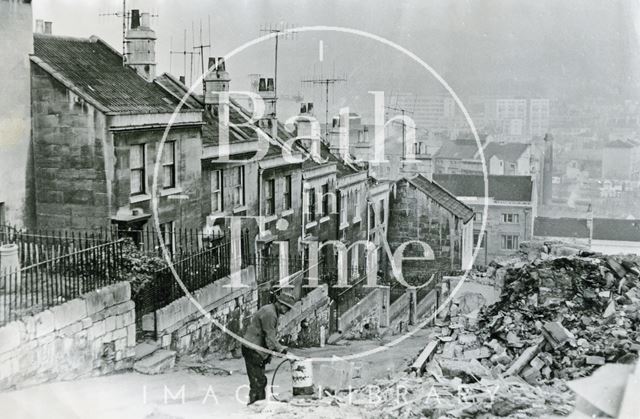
[458, 149]
[501, 188]
[618, 230]
[95, 69]
[442, 197]
[628, 143]
[603, 228]
[561, 227]
[505, 151]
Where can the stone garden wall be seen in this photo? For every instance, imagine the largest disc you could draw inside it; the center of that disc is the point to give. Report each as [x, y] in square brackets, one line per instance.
[87, 336]
[307, 323]
[182, 327]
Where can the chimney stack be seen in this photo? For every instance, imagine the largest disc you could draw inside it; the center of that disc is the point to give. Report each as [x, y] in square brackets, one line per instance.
[141, 46]
[48, 27]
[216, 81]
[135, 19]
[182, 80]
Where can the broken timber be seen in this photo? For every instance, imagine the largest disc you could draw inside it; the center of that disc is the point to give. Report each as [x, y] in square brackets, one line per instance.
[420, 362]
[524, 359]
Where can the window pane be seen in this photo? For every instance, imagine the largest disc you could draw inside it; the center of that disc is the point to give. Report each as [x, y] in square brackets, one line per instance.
[136, 156]
[136, 181]
[168, 152]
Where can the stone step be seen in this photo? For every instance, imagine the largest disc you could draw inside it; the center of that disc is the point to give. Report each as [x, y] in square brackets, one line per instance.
[144, 349]
[158, 362]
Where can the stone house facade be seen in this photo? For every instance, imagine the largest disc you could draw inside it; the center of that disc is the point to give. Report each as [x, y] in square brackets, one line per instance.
[97, 131]
[423, 210]
[511, 209]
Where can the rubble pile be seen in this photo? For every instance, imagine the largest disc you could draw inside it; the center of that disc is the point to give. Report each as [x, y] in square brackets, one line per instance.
[560, 317]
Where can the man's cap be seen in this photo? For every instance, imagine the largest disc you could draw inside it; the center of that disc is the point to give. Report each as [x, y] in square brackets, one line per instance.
[286, 299]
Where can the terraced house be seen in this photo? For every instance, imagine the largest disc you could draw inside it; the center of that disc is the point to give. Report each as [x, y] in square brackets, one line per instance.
[97, 128]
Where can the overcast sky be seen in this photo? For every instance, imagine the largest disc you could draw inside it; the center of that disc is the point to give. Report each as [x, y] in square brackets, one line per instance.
[545, 48]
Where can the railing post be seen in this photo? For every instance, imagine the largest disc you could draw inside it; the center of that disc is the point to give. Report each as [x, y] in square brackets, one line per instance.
[385, 301]
[10, 260]
[413, 305]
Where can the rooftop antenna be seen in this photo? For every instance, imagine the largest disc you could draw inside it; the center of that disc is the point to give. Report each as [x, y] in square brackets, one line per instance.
[202, 45]
[403, 111]
[125, 17]
[326, 82]
[184, 54]
[285, 31]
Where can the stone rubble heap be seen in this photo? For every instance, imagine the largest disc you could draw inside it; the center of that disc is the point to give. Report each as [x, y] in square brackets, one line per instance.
[563, 312]
[558, 317]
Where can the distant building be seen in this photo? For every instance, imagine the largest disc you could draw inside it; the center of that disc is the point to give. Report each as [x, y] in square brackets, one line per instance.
[423, 210]
[621, 160]
[511, 202]
[606, 235]
[463, 156]
[16, 43]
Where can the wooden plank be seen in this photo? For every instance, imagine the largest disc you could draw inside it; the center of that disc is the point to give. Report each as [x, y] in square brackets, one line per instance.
[420, 362]
[524, 359]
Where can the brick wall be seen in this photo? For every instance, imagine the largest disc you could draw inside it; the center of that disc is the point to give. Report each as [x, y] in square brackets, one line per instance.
[88, 336]
[182, 327]
[69, 138]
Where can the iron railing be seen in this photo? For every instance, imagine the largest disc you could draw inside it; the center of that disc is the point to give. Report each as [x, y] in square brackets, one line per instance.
[48, 283]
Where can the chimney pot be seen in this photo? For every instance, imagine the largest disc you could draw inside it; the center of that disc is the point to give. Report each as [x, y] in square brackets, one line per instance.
[39, 26]
[303, 108]
[48, 27]
[145, 20]
[262, 85]
[270, 87]
[221, 65]
[212, 63]
[135, 18]
[309, 107]
[182, 80]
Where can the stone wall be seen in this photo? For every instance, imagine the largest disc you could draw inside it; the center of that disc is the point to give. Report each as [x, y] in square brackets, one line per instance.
[399, 315]
[427, 305]
[302, 325]
[16, 43]
[182, 327]
[415, 216]
[69, 141]
[363, 320]
[88, 336]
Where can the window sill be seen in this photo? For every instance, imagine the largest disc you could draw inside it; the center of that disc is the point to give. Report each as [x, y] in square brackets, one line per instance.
[324, 219]
[343, 226]
[311, 225]
[286, 213]
[239, 209]
[170, 191]
[134, 199]
[357, 220]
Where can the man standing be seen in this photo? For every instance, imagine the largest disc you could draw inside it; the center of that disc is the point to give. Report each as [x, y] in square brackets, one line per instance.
[262, 332]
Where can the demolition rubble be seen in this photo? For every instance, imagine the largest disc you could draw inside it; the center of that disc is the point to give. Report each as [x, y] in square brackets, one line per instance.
[563, 313]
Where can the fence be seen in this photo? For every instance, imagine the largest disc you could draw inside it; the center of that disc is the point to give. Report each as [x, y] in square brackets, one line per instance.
[269, 275]
[196, 270]
[179, 242]
[345, 298]
[48, 283]
[37, 246]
